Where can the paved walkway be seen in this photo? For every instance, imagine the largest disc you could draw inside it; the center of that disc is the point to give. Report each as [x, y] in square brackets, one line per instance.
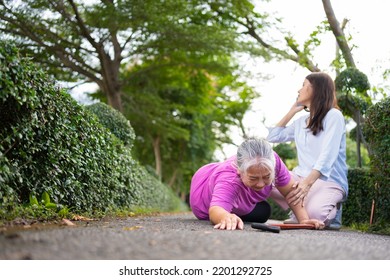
[182, 236]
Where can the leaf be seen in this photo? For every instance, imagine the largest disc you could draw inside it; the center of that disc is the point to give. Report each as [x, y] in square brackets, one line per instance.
[132, 228]
[45, 198]
[80, 218]
[63, 212]
[33, 200]
[51, 205]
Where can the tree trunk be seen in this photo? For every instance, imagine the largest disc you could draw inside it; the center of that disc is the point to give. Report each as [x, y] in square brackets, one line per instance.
[358, 138]
[114, 97]
[110, 71]
[173, 178]
[115, 100]
[342, 45]
[345, 21]
[338, 33]
[157, 156]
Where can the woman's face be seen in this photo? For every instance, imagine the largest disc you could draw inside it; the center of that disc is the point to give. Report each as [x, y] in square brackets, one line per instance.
[256, 177]
[305, 94]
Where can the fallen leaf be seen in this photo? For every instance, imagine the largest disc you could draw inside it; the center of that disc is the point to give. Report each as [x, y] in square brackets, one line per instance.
[80, 218]
[132, 228]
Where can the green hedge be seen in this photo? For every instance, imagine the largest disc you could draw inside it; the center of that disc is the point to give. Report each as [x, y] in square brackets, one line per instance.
[114, 121]
[50, 144]
[377, 132]
[357, 208]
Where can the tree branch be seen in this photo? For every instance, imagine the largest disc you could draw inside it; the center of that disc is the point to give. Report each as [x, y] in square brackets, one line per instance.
[338, 33]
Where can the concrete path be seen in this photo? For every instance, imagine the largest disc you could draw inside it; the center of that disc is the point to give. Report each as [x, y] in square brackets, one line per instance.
[183, 237]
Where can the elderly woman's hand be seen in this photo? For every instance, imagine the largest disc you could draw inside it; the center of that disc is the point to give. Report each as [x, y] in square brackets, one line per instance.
[230, 222]
[317, 224]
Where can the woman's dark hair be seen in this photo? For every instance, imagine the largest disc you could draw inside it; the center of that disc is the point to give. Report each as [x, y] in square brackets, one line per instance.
[324, 99]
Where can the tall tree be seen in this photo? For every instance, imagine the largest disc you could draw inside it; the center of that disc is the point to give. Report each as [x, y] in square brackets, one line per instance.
[190, 113]
[352, 83]
[165, 64]
[91, 40]
[252, 24]
[254, 27]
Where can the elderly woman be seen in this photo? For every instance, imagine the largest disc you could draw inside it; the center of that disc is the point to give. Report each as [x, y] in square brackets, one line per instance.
[232, 192]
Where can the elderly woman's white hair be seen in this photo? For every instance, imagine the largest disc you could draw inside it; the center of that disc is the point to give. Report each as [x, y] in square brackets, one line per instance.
[256, 151]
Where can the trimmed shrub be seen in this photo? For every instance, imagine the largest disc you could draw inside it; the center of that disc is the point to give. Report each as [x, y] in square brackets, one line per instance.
[114, 121]
[277, 212]
[49, 143]
[377, 132]
[357, 208]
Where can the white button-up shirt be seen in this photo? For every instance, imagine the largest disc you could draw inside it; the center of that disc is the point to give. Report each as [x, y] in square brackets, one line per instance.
[325, 152]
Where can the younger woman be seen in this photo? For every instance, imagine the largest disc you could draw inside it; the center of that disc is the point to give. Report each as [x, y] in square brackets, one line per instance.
[320, 139]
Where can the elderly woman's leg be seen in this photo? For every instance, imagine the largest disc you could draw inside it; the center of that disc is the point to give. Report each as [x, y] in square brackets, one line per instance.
[259, 214]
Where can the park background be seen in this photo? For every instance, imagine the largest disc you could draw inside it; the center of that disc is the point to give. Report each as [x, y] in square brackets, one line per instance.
[230, 87]
[280, 80]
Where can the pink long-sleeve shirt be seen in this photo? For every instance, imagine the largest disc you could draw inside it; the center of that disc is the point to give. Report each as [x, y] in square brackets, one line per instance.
[219, 184]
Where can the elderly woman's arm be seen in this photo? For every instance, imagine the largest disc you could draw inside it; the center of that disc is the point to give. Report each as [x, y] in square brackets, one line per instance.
[298, 209]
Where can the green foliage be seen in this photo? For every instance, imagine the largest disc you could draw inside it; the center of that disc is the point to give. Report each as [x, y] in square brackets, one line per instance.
[305, 53]
[190, 112]
[171, 61]
[357, 208]
[45, 201]
[287, 152]
[352, 80]
[33, 213]
[377, 133]
[114, 121]
[49, 144]
[352, 86]
[350, 104]
[277, 212]
[178, 135]
[352, 159]
[95, 40]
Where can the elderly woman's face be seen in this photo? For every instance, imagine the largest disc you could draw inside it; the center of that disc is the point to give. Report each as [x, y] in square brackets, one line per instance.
[256, 177]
